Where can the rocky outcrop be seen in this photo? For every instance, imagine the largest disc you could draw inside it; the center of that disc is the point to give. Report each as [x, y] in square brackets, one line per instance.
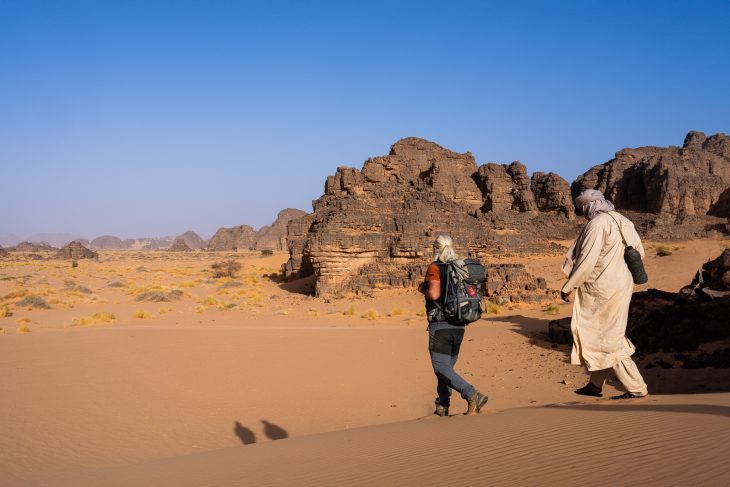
[670, 185]
[33, 247]
[180, 245]
[242, 237]
[374, 228]
[274, 237]
[681, 322]
[192, 240]
[75, 251]
[107, 242]
[3, 253]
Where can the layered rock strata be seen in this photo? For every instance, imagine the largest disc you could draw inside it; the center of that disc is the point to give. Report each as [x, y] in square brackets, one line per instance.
[374, 227]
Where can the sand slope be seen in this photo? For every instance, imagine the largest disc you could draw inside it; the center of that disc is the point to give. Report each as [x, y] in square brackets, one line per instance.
[661, 440]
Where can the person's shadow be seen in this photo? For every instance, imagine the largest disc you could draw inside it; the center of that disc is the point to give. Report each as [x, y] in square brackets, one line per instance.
[244, 434]
[274, 432]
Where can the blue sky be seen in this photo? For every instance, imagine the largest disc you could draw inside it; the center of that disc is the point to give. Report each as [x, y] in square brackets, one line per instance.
[150, 118]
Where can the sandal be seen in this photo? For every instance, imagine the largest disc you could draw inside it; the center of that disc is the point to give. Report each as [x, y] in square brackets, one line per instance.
[628, 395]
[589, 390]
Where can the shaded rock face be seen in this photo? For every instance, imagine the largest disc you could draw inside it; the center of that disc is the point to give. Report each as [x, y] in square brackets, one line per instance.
[107, 242]
[180, 245]
[681, 322]
[274, 237]
[75, 251]
[374, 228]
[191, 239]
[242, 237]
[676, 185]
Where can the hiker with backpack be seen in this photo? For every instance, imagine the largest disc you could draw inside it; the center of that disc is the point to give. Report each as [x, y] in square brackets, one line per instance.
[452, 288]
[602, 267]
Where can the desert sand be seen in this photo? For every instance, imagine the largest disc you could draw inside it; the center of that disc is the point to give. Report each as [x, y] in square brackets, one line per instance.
[194, 391]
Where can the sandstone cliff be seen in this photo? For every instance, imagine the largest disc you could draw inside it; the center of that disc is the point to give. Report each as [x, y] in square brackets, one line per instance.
[274, 237]
[668, 186]
[374, 227]
[242, 237]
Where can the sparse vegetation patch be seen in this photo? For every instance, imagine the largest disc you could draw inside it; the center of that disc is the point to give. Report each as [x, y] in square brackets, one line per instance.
[33, 301]
[552, 309]
[225, 268]
[160, 296]
[371, 314]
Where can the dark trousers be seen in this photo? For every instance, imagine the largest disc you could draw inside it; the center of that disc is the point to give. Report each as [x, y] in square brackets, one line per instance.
[444, 343]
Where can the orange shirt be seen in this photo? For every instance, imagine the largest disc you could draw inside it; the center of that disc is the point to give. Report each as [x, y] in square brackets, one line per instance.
[432, 273]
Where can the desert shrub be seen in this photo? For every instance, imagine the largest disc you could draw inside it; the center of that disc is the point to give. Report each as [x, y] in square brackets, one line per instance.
[225, 268]
[116, 284]
[397, 312]
[267, 252]
[552, 309]
[33, 301]
[17, 293]
[371, 314]
[664, 250]
[142, 314]
[227, 306]
[160, 296]
[102, 317]
[5, 312]
[210, 301]
[351, 311]
[492, 308]
[22, 329]
[228, 284]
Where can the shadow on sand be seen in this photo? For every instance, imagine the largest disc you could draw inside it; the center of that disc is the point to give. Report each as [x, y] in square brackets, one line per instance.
[270, 430]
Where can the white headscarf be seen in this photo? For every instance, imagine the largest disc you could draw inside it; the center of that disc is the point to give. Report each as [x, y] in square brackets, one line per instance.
[443, 248]
[592, 202]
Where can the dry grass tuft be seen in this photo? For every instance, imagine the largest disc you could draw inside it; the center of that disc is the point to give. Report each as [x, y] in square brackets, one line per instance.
[225, 268]
[371, 314]
[102, 317]
[665, 250]
[33, 301]
[187, 284]
[493, 308]
[24, 319]
[22, 329]
[164, 310]
[552, 309]
[210, 301]
[351, 311]
[116, 284]
[421, 312]
[160, 296]
[16, 293]
[142, 314]
[229, 284]
[5, 312]
[397, 312]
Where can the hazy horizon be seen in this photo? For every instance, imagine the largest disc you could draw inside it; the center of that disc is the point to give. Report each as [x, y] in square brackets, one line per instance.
[147, 119]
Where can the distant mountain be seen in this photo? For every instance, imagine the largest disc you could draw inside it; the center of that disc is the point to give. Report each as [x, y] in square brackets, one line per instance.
[57, 239]
[10, 240]
[107, 242]
[192, 240]
[244, 237]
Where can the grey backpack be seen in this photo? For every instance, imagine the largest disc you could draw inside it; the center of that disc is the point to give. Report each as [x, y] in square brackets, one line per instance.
[461, 300]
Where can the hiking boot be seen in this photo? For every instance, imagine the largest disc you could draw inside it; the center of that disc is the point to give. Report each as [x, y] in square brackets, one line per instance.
[476, 403]
[441, 410]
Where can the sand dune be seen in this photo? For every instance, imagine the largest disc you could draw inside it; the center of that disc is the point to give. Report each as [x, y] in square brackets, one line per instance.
[661, 440]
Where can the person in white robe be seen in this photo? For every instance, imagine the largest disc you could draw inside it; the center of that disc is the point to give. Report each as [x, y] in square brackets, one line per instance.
[603, 287]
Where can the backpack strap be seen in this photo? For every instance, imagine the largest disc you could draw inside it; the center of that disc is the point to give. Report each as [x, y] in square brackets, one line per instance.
[619, 229]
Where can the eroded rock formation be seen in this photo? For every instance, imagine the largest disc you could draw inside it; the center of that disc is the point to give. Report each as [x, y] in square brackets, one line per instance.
[75, 251]
[180, 245]
[273, 237]
[374, 228]
[33, 247]
[191, 239]
[242, 237]
[668, 186]
[107, 242]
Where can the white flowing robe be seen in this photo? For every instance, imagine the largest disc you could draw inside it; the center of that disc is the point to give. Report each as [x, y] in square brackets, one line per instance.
[604, 286]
